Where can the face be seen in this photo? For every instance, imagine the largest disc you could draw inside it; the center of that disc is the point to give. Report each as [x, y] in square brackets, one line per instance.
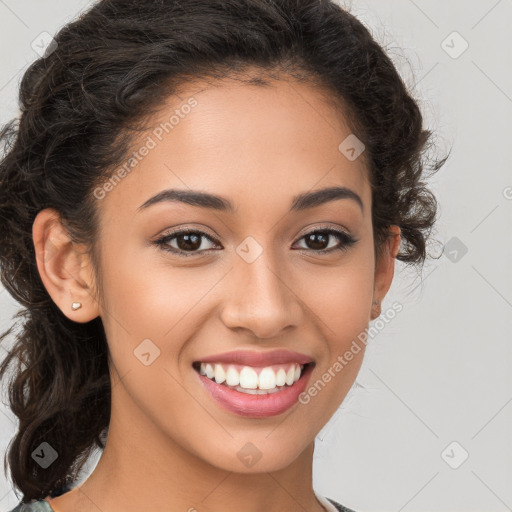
[271, 274]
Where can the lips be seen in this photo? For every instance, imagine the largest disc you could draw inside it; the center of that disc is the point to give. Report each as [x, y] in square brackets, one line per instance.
[251, 383]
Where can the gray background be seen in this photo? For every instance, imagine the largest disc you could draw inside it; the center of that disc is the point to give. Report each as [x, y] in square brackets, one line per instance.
[439, 372]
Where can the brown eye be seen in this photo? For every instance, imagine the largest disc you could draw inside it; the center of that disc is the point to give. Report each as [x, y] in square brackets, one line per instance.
[186, 242]
[319, 240]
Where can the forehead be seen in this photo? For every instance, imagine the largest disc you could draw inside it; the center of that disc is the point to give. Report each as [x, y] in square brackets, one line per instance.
[256, 143]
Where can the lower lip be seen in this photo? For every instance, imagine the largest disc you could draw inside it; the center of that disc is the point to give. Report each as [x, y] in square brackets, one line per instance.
[256, 406]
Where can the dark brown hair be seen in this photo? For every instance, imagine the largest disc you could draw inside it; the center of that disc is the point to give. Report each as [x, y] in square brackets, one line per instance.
[81, 105]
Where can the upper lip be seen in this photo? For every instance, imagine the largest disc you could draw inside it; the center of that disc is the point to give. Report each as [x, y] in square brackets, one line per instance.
[252, 358]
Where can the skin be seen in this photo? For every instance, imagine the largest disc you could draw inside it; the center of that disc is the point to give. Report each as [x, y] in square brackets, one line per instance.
[170, 446]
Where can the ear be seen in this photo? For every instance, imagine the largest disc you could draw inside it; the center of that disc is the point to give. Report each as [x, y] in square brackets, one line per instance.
[64, 267]
[384, 270]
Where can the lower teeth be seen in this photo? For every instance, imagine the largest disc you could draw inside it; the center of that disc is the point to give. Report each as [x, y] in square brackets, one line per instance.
[258, 391]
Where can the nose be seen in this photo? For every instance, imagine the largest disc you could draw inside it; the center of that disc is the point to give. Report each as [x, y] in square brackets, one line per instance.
[260, 298]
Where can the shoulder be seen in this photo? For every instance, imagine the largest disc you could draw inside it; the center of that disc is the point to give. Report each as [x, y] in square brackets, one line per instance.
[36, 506]
[340, 507]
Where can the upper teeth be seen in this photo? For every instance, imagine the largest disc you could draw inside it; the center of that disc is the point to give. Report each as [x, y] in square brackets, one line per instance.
[248, 378]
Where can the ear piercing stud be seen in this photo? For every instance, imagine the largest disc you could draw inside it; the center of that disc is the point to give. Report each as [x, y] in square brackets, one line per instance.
[76, 305]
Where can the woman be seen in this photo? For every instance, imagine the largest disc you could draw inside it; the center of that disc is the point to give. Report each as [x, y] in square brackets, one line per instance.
[201, 210]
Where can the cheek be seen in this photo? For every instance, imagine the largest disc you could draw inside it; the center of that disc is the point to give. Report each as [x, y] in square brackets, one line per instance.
[341, 297]
[142, 294]
[344, 313]
[347, 310]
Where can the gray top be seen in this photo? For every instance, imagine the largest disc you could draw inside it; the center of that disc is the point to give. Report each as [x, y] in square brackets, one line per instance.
[44, 506]
[36, 506]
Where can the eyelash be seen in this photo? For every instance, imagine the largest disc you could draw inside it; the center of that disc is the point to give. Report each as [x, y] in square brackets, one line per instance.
[346, 241]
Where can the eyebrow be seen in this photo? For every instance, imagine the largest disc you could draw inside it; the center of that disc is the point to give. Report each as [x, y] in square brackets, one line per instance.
[206, 200]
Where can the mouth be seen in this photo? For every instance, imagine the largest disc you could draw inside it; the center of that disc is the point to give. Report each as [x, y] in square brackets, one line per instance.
[255, 390]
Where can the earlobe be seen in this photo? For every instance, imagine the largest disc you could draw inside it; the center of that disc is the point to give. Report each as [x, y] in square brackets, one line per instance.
[63, 268]
[384, 270]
